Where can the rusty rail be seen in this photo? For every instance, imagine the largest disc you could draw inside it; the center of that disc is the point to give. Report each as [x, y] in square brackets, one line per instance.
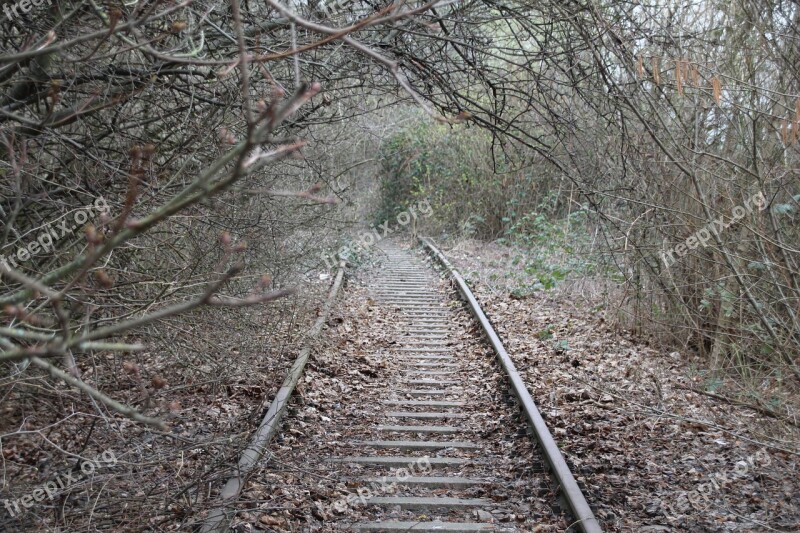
[219, 518]
[571, 492]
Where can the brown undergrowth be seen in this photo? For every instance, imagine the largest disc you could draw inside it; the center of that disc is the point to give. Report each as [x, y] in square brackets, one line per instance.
[209, 375]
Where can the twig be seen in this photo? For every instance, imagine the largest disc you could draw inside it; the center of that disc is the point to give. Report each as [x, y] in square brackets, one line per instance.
[757, 408]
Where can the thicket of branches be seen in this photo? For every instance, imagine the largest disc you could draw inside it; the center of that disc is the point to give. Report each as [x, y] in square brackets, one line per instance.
[202, 125]
[674, 124]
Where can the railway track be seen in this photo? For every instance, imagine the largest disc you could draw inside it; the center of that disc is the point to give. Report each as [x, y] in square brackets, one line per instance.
[440, 446]
[425, 411]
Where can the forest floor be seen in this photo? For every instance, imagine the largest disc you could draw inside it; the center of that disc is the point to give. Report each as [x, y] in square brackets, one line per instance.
[654, 448]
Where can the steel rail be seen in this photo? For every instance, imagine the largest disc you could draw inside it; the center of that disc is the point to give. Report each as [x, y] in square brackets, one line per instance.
[571, 492]
[219, 518]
